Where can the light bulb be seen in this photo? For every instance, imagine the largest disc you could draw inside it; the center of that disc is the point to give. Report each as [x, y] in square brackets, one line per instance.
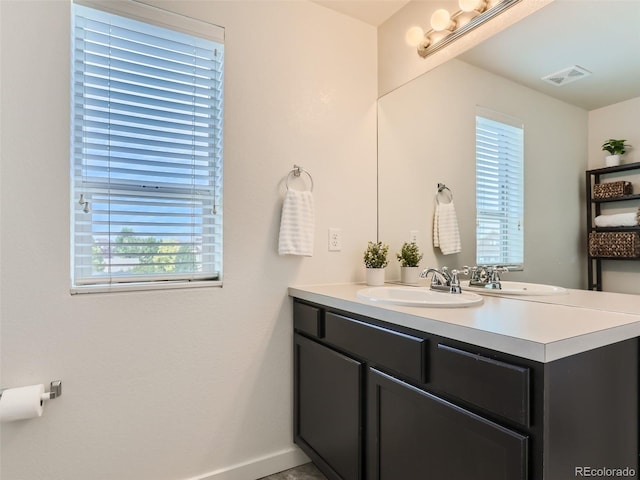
[441, 20]
[472, 5]
[414, 36]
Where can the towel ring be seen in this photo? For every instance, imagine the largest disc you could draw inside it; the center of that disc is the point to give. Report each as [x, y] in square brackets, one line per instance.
[296, 171]
[445, 191]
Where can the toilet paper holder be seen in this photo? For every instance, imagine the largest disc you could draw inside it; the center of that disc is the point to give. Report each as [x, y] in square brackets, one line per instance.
[55, 390]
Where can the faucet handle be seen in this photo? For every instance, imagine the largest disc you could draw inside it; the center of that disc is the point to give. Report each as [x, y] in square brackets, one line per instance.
[495, 273]
[455, 281]
[455, 273]
[475, 273]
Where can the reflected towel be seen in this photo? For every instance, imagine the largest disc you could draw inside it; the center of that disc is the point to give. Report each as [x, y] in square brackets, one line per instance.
[297, 224]
[446, 234]
[618, 220]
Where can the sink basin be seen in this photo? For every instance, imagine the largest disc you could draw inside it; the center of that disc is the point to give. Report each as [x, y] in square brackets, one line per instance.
[419, 297]
[519, 288]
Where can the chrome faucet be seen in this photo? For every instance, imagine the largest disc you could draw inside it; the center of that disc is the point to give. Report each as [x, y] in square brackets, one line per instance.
[443, 280]
[487, 276]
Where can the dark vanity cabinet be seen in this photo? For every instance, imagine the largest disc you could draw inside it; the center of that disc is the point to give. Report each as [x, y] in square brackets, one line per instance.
[375, 401]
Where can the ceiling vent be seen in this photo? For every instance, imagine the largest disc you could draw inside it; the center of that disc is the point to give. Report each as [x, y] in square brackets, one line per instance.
[567, 75]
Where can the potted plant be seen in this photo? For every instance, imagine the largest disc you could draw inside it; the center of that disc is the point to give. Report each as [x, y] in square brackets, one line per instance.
[409, 258]
[375, 259]
[616, 148]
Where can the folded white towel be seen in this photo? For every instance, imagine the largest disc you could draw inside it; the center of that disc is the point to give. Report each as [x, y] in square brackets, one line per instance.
[617, 220]
[297, 224]
[446, 234]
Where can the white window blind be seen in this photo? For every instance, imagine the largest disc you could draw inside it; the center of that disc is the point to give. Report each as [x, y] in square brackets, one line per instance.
[499, 190]
[147, 109]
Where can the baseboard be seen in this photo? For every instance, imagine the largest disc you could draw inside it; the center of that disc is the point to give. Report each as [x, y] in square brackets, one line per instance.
[258, 467]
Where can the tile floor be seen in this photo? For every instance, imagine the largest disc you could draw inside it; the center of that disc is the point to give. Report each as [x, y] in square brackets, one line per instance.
[308, 471]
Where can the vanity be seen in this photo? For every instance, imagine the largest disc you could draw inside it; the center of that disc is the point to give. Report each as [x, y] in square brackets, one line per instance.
[542, 389]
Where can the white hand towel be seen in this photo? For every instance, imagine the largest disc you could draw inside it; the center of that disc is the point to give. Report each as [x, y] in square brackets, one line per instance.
[297, 224]
[617, 220]
[446, 234]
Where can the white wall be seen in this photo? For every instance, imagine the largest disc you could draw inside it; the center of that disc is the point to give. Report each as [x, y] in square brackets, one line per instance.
[427, 136]
[617, 121]
[184, 383]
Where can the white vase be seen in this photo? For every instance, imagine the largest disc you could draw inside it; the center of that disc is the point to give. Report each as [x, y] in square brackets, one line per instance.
[409, 275]
[375, 277]
[612, 160]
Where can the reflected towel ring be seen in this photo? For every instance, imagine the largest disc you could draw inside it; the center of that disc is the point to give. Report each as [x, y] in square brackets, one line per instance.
[444, 190]
[296, 171]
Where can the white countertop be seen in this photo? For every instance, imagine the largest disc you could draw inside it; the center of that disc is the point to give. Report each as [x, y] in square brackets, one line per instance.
[541, 328]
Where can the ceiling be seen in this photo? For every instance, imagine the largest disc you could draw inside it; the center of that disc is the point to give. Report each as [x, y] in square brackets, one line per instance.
[373, 12]
[601, 36]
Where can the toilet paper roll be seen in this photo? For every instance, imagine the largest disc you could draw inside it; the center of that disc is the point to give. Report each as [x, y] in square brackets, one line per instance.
[21, 403]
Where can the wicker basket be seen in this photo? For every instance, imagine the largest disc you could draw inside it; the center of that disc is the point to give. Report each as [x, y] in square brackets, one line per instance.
[614, 244]
[612, 189]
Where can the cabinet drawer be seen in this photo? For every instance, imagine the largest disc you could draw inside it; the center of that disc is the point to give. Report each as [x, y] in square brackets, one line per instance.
[396, 351]
[494, 385]
[307, 319]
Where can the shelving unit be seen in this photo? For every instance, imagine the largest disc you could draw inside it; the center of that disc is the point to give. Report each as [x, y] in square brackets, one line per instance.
[594, 209]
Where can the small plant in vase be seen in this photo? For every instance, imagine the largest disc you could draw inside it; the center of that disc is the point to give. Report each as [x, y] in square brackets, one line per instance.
[375, 259]
[616, 149]
[409, 258]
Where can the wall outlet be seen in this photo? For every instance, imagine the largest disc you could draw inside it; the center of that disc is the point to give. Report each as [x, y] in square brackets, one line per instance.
[335, 239]
[413, 236]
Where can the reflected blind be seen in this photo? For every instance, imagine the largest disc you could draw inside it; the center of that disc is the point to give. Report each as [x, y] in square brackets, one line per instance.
[147, 105]
[499, 191]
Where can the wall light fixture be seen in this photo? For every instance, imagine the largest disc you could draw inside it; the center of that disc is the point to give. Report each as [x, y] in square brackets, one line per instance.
[447, 27]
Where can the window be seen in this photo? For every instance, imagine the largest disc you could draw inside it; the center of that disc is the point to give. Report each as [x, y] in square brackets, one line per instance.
[499, 190]
[147, 104]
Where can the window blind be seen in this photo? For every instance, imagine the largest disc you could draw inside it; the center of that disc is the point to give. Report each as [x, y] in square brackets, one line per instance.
[147, 110]
[499, 191]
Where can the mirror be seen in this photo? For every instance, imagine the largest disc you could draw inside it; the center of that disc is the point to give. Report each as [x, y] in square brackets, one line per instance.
[426, 134]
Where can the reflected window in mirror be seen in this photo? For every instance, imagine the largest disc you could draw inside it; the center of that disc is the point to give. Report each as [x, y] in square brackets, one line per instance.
[499, 190]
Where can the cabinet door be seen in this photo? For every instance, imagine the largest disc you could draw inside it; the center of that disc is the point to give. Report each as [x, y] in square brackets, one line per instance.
[416, 435]
[328, 415]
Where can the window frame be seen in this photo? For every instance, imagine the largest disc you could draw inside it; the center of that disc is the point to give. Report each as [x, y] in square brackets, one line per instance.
[508, 194]
[184, 25]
